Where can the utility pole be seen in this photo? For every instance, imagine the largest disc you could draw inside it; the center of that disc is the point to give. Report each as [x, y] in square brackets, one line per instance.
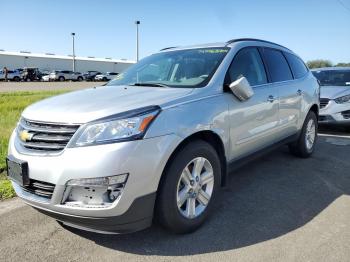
[73, 35]
[137, 40]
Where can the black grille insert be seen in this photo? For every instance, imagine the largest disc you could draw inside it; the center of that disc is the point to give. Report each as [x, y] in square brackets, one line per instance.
[43, 189]
[324, 102]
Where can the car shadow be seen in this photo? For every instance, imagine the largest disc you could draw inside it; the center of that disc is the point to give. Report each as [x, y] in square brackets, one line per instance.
[265, 199]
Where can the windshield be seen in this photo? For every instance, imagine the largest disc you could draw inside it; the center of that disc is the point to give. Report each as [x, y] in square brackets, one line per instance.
[333, 77]
[183, 68]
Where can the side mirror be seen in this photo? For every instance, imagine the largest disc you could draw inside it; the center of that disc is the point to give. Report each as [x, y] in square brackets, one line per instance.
[241, 89]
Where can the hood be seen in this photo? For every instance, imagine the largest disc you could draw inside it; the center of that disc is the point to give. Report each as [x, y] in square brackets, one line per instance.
[332, 92]
[94, 103]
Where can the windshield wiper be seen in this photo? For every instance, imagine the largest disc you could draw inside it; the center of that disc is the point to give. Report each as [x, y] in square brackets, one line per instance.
[149, 84]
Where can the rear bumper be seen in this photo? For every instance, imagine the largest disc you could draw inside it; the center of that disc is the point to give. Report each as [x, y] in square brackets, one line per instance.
[138, 217]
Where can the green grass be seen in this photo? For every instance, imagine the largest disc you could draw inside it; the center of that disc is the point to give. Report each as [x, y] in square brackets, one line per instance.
[11, 107]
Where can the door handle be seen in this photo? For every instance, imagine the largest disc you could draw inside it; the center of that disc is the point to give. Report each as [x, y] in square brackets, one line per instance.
[271, 99]
[299, 92]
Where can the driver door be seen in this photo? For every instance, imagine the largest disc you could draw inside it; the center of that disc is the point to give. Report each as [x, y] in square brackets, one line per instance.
[254, 122]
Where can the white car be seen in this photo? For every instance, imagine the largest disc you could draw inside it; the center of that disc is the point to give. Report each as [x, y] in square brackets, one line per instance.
[106, 77]
[335, 95]
[63, 75]
[45, 78]
[12, 75]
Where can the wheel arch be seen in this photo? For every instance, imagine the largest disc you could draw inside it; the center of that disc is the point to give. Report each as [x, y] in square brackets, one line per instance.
[210, 137]
[314, 108]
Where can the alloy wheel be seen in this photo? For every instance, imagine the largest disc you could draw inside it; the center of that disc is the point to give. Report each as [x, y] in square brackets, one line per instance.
[195, 187]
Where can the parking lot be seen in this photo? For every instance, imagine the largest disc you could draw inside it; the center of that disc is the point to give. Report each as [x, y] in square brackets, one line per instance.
[277, 208]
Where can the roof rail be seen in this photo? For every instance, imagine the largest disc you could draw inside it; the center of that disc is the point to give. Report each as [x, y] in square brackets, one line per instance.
[252, 39]
[170, 47]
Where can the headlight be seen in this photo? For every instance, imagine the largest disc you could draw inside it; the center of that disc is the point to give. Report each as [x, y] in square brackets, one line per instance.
[132, 126]
[342, 99]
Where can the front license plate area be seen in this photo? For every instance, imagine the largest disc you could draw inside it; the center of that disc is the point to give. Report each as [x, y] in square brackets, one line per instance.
[17, 170]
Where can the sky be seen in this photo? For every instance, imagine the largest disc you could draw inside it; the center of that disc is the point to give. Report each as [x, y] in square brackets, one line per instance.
[106, 28]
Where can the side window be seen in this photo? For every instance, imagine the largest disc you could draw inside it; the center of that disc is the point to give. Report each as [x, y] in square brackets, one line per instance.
[298, 67]
[277, 65]
[248, 63]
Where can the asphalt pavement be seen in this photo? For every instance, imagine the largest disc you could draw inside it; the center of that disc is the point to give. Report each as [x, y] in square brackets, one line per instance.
[276, 208]
[45, 86]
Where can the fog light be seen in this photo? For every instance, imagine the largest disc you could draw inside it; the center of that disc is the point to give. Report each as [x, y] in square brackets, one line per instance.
[94, 192]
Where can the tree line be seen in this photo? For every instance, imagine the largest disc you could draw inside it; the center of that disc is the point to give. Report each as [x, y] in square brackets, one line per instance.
[319, 63]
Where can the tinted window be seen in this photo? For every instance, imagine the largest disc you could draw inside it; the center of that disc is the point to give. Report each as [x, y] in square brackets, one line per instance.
[298, 67]
[248, 63]
[333, 77]
[277, 65]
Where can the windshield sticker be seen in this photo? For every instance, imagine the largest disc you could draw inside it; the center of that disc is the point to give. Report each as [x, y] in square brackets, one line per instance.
[212, 51]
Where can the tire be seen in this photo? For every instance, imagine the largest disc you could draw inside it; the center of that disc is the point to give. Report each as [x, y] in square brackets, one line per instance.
[61, 78]
[80, 78]
[305, 145]
[179, 219]
[16, 79]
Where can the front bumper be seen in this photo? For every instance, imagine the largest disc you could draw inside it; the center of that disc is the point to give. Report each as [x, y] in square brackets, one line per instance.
[334, 114]
[144, 161]
[139, 216]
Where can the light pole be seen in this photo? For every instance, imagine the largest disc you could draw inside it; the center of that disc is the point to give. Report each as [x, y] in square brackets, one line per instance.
[73, 34]
[137, 40]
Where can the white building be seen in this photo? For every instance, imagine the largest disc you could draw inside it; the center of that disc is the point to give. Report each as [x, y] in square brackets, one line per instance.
[48, 61]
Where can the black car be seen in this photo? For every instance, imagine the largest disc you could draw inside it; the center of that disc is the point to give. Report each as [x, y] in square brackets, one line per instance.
[31, 74]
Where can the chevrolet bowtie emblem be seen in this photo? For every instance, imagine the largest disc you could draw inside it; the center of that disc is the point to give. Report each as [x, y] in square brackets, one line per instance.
[25, 136]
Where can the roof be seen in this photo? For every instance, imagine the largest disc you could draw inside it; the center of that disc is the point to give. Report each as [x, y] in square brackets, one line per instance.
[224, 44]
[50, 55]
[334, 68]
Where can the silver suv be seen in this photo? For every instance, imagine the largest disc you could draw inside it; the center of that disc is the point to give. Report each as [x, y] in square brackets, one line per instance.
[161, 138]
[63, 75]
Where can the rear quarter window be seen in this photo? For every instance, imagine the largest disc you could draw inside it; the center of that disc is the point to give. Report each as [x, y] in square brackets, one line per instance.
[277, 65]
[298, 67]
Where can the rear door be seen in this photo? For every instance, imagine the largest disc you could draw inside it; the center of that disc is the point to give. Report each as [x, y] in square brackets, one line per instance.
[288, 91]
[254, 121]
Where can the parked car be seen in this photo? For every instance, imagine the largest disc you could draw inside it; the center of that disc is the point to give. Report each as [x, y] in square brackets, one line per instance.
[31, 74]
[12, 75]
[76, 76]
[45, 75]
[105, 77]
[160, 139]
[335, 95]
[63, 75]
[90, 75]
[45, 78]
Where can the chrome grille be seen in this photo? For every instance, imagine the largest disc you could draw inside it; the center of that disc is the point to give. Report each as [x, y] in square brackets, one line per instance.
[39, 136]
[40, 188]
[346, 114]
[324, 102]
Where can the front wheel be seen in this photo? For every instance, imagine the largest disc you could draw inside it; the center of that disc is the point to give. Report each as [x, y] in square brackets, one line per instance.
[188, 188]
[305, 145]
